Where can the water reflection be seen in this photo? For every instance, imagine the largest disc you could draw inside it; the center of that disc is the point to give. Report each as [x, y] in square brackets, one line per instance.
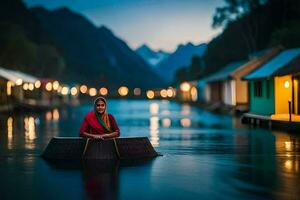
[166, 122]
[227, 159]
[185, 122]
[185, 109]
[154, 130]
[30, 134]
[9, 132]
[101, 179]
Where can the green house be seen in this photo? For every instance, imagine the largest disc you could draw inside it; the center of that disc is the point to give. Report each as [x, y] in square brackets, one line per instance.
[275, 84]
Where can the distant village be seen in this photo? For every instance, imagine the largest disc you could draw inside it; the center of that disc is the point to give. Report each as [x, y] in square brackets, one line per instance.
[264, 89]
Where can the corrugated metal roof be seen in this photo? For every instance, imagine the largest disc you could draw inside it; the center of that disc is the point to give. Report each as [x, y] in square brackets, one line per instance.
[269, 69]
[225, 72]
[13, 76]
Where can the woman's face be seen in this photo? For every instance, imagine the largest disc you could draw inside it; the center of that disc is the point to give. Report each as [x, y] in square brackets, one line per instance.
[100, 107]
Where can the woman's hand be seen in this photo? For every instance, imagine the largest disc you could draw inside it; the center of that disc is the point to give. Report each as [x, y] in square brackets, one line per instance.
[98, 137]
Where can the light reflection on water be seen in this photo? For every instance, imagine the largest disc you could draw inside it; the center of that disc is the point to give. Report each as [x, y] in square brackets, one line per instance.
[206, 155]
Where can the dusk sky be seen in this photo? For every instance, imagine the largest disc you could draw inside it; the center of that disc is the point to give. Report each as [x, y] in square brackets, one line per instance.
[161, 24]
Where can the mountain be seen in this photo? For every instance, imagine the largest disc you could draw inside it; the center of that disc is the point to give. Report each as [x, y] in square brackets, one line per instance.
[152, 57]
[24, 45]
[180, 58]
[94, 55]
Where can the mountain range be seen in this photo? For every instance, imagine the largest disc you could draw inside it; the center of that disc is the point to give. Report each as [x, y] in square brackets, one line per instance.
[152, 57]
[180, 58]
[94, 55]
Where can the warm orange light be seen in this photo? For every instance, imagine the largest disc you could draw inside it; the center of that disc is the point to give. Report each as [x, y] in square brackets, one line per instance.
[49, 86]
[19, 81]
[30, 86]
[55, 85]
[103, 91]
[185, 122]
[194, 94]
[37, 84]
[48, 115]
[163, 93]
[166, 122]
[83, 89]
[55, 115]
[123, 91]
[170, 92]
[25, 86]
[92, 92]
[185, 86]
[74, 91]
[8, 88]
[286, 84]
[64, 90]
[150, 94]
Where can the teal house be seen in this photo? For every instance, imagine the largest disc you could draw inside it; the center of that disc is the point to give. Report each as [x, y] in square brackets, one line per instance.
[274, 87]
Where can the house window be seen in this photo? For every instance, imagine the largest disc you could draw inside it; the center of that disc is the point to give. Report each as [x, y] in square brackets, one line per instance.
[258, 88]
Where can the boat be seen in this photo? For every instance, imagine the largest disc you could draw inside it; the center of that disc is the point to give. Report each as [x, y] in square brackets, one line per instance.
[75, 148]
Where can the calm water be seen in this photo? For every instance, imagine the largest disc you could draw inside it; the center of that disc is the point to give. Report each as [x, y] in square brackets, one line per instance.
[206, 156]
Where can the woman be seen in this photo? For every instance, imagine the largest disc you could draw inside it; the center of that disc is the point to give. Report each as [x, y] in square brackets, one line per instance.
[98, 123]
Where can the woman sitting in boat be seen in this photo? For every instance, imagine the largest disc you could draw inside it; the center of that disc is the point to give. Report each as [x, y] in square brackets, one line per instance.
[98, 123]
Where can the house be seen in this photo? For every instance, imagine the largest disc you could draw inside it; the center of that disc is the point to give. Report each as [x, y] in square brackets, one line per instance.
[274, 87]
[227, 87]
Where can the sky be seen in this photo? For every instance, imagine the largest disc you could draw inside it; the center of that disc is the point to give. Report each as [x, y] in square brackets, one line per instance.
[161, 24]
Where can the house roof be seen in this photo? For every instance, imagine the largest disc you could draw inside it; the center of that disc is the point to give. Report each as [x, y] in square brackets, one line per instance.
[13, 76]
[276, 64]
[225, 73]
[292, 67]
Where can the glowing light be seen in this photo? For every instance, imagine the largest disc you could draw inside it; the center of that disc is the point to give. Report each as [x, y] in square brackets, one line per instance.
[185, 122]
[8, 88]
[163, 93]
[166, 122]
[150, 94]
[288, 165]
[92, 92]
[103, 91]
[170, 92]
[154, 107]
[30, 86]
[64, 90]
[74, 91]
[288, 145]
[137, 91]
[55, 115]
[49, 86]
[59, 89]
[286, 84]
[37, 84]
[48, 116]
[154, 129]
[185, 86]
[25, 86]
[19, 81]
[30, 135]
[123, 90]
[55, 85]
[194, 94]
[83, 89]
[9, 132]
[29, 128]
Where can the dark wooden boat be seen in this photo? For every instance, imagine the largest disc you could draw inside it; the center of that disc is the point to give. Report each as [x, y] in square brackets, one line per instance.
[68, 148]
